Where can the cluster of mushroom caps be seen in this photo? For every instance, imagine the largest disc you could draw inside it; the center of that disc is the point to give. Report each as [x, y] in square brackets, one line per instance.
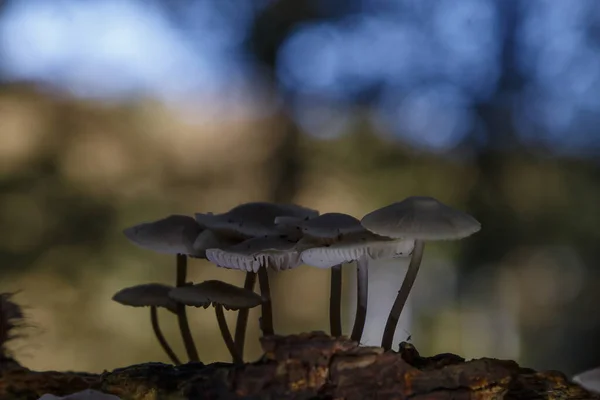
[257, 236]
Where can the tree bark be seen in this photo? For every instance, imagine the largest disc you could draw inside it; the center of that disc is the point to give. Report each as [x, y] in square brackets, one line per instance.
[309, 366]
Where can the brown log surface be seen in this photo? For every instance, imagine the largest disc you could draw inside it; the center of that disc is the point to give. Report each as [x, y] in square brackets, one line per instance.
[308, 366]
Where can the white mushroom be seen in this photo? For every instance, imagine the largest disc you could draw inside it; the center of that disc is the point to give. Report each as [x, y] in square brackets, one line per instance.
[326, 229]
[421, 219]
[361, 246]
[256, 255]
[252, 254]
[250, 220]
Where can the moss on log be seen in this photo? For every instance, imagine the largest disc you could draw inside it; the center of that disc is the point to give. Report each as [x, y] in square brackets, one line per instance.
[308, 366]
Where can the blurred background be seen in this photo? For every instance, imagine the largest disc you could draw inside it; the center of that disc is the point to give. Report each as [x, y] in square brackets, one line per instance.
[117, 112]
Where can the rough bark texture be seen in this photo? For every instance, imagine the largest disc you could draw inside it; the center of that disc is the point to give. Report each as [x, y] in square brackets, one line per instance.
[308, 366]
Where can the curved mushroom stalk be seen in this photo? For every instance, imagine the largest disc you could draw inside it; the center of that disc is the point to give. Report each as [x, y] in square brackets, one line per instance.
[362, 296]
[153, 295]
[176, 235]
[184, 326]
[161, 339]
[400, 302]
[237, 358]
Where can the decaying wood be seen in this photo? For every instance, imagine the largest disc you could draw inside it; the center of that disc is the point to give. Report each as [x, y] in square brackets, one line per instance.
[309, 366]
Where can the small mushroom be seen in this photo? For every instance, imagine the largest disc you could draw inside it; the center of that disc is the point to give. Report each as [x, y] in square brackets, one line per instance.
[256, 255]
[175, 234]
[422, 219]
[220, 295]
[326, 229]
[246, 221]
[361, 246]
[153, 295]
[210, 240]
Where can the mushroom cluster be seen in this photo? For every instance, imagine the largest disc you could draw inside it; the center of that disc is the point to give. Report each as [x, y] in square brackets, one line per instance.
[258, 236]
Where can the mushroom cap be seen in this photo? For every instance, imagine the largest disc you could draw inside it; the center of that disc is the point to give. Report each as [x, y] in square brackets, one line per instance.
[354, 246]
[216, 292]
[210, 240]
[174, 234]
[326, 226]
[271, 251]
[146, 295]
[420, 217]
[254, 219]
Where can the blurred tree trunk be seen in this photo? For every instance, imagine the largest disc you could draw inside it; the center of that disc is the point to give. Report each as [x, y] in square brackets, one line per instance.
[488, 199]
[502, 230]
[269, 31]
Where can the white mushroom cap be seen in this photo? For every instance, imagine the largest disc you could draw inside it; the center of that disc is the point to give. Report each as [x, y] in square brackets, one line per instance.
[216, 292]
[172, 235]
[420, 217]
[272, 251]
[146, 295]
[252, 219]
[327, 226]
[354, 246]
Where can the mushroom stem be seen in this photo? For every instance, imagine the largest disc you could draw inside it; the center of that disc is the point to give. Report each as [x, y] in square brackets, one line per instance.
[266, 320]
[409, 280]
[242, 317]
[184, 326]
[362, 295]
[227, 335]
[335, 301]
[161, 339]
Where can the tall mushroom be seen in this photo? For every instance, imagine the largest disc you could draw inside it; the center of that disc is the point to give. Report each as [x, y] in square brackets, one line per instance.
[153, 295]
[247, 221]
[220, 295]
[357, 245]
[257, 255]
[323, 230]
[422, 219]
[175, 234]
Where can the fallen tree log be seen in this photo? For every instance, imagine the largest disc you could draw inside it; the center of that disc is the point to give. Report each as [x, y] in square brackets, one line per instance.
[308, 366]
